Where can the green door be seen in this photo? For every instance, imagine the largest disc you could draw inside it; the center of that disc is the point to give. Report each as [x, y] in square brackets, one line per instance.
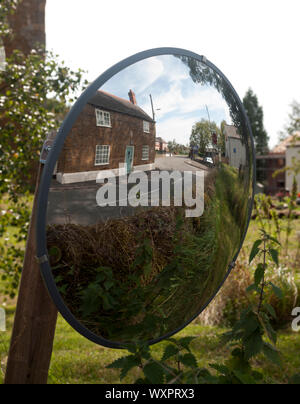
[129, 158]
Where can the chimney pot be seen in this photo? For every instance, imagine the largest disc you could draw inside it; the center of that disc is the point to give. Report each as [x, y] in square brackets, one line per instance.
[132, 97]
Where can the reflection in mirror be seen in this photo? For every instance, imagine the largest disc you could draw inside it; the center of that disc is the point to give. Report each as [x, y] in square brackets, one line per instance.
[150, 199]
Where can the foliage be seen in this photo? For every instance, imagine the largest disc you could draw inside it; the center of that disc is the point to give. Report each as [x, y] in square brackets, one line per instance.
[203, 74]
[6, 7]
[177, 148]
[293, 124]
[251, 336]
[201, 135]
[27, 114]
[255, 115]
[75, 359]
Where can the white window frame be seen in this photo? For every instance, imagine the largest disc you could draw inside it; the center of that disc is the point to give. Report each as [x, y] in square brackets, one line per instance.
[100, 118]
[98, 154]
[146, 126]
[148, 152]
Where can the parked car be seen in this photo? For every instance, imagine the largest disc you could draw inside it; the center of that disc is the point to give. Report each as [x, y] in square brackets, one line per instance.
[208, 160]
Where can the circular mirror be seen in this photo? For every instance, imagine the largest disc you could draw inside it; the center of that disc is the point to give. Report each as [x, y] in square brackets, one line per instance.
[145, 198]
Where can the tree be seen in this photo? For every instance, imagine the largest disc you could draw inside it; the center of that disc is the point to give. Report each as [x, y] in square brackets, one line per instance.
[27, 26]
[201, 135]
[256, 118]
[27, 114]
[293, 124]
[177, 148]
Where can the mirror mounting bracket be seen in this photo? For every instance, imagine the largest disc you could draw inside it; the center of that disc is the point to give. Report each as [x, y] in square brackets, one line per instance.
[42, 260]
[232, 265]
[47, 146]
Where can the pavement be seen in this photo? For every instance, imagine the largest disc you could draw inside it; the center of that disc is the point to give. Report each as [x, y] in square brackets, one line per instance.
[76, 203]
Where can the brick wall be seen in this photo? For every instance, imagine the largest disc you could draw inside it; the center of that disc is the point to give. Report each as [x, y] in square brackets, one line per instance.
[78, 154]
[274, 184]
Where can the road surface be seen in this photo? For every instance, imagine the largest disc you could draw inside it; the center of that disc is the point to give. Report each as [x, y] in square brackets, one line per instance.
[76, 203]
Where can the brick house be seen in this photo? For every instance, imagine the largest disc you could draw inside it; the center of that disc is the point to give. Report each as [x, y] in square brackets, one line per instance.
[267, 165]
[277, 159]
[110, 134]
[161, 145]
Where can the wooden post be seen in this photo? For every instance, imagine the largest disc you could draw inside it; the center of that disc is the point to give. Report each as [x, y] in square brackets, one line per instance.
[35, 319]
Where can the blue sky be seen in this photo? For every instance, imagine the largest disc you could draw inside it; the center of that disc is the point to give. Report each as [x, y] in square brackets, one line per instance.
[178, 101]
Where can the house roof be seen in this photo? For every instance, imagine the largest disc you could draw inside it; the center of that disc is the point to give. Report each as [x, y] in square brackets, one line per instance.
[292, 140]
[231, 131]
[160, 140]
[111, 102]
[295, 141]
[270, 156]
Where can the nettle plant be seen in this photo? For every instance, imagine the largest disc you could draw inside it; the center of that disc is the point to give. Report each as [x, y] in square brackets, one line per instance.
[251, 336]
[35, 94]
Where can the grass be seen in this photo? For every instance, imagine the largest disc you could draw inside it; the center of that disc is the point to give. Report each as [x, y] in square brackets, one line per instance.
[76, 360]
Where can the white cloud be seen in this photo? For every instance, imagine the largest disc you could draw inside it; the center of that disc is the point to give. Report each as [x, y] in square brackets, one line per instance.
[176, 128]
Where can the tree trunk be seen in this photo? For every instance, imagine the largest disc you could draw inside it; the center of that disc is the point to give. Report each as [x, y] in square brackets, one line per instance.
[28, 27]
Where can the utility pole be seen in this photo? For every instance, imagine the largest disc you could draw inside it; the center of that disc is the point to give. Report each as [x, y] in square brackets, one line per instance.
[153, 110]
[153, 113]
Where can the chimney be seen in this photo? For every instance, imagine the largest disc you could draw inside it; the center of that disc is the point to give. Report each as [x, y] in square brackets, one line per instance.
[132, 97]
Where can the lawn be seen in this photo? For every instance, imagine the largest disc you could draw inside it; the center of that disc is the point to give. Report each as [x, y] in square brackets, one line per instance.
[75, 360]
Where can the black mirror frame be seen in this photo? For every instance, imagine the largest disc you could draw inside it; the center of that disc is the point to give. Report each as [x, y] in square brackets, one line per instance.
[63, 132]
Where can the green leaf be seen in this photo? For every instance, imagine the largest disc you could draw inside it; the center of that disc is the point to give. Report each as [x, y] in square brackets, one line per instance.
[222, 369]
[271, 353]
[259, 274]
[265, 322]
[108, 285]
[244, 378]
[253, 345]
[126, 364]
[271, 310]
[274, 255]
[278, 292]
[253, 288]
[185, 342]
[188, 360]
[255, 250]
[251, 325]
[154, 372]
[274, 239]
[171, 350]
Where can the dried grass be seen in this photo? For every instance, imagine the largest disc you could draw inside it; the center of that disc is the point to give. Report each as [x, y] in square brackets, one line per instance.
[114, 244]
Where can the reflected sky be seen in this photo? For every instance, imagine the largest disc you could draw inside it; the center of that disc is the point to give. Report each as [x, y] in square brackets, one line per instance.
[178, 102]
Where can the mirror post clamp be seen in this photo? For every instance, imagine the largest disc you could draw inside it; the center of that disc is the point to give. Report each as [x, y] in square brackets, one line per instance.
[232, 265]
[47, 146]
[42, 260]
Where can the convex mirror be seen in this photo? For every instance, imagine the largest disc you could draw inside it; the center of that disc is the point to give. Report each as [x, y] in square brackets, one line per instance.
[145, 198]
